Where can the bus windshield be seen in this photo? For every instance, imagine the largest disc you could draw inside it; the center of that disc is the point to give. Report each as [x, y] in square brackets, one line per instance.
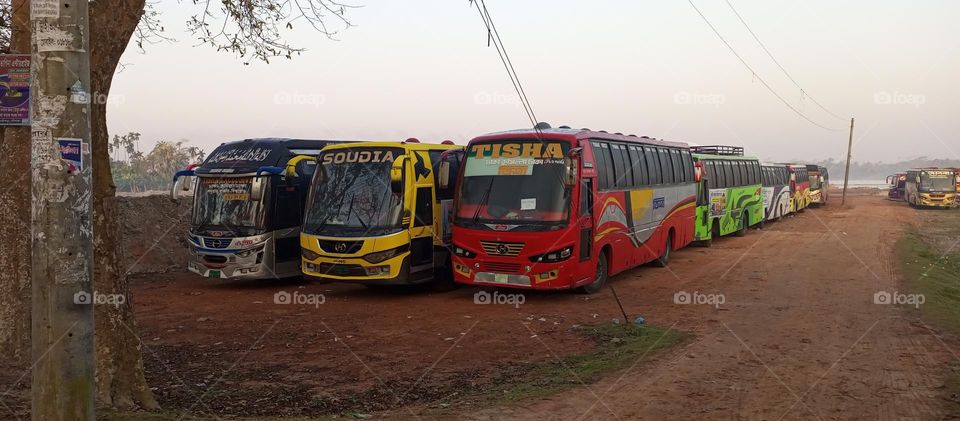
[515, 183]
[225, 203]
[351, 195]
[937, 181]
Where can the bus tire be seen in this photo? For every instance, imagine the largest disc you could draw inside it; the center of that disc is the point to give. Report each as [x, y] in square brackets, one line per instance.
[600, 276]
[745, 224]
[664, 259]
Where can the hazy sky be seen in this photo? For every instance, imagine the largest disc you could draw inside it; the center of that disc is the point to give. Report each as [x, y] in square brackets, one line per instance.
[422, 68]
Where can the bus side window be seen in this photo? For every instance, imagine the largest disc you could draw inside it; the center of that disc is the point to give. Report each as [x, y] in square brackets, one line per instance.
[423, 215]
[653, 164]
[602, 165]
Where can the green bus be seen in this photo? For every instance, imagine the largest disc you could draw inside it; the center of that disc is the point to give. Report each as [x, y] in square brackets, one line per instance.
[729, 192]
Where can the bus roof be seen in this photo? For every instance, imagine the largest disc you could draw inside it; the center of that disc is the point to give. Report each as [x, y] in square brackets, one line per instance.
[704, 156]
[248, 155]
[406, 145]
[567, 133]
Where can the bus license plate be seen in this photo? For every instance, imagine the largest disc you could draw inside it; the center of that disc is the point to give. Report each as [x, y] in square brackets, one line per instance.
[501, 278]
[215, 274]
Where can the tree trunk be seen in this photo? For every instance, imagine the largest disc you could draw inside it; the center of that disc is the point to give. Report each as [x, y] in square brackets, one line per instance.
[120, 379]
[15, 217]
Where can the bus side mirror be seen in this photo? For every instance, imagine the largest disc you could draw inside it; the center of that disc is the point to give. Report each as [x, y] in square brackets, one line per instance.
[178, 182]
[570, 178]
[396, 174]
[256, 189]
[444, 174]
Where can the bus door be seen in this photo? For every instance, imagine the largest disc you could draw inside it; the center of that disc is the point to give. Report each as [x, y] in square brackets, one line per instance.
[288, 217]
[585, 217]
[422, 233]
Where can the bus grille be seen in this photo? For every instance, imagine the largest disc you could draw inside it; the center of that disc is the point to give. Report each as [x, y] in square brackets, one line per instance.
[342, 270]
[341, 247]
[217, 243]
[500, 267]
[501, 249]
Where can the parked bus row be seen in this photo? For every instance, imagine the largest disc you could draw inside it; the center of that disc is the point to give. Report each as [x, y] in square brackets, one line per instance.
[926, 187]
[543, 208]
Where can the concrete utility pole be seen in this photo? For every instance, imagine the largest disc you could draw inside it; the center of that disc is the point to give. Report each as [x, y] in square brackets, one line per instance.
[846, 173]
[62, 270]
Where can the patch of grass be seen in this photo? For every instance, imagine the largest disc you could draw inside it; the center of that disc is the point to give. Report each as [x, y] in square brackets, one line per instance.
[616, 347]
[932, 268]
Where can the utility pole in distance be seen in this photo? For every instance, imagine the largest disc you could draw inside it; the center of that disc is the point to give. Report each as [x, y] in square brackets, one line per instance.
[62, 239]
[846, 173]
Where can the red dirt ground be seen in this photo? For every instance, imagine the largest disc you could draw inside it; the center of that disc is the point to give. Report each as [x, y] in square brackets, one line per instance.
[799, 337]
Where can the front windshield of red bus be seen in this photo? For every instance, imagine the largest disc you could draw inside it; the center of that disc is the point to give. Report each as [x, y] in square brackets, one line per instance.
[517, 183]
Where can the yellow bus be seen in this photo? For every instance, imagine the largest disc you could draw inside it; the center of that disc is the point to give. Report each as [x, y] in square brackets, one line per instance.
[931, 187]
[377, 214]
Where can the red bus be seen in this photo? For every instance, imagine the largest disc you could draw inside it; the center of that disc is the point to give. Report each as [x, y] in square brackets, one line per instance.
[566, 208]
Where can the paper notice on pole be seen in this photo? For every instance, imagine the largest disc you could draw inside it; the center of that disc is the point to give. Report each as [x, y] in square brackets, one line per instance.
[51, 38]
[44, 9]
[70, 152]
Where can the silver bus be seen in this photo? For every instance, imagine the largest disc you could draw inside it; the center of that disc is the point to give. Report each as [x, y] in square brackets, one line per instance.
[248, 203]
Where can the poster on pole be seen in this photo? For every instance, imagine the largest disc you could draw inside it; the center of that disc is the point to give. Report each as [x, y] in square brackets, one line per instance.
[14, 89]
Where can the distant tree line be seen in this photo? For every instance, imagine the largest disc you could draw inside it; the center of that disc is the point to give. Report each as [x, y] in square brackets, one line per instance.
[135, 171]
[880, 170]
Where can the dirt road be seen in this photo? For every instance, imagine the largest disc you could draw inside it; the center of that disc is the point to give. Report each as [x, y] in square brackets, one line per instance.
[798, 336]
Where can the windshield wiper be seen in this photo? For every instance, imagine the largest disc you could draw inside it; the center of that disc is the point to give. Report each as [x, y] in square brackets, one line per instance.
[483, 200]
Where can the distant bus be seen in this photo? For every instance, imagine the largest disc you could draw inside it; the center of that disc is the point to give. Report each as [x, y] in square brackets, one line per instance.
[931, 187]
[567, 208]
[799, 187]
[819, 184]
[378, 216]
[729, 192]
[247, 208]
[897, 186]
[776, 190]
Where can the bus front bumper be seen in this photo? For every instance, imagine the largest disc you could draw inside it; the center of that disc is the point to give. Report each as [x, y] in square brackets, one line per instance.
[395, 271]
[938, 200]
[510, 274]
[247, 268]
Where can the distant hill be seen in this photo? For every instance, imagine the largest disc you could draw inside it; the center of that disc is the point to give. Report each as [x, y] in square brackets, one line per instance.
[880, 170]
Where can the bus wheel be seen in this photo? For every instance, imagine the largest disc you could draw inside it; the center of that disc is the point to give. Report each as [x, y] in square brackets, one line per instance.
[600, 277]
[664, 258]
[743, 227]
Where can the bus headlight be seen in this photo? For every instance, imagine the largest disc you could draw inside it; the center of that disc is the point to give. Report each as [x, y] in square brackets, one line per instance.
[309, 254]
[462, 252]
[554, 256]
[386, 254]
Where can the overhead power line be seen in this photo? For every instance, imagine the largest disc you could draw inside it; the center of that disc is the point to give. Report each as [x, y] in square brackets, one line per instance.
[756, 75]
[764, 47]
